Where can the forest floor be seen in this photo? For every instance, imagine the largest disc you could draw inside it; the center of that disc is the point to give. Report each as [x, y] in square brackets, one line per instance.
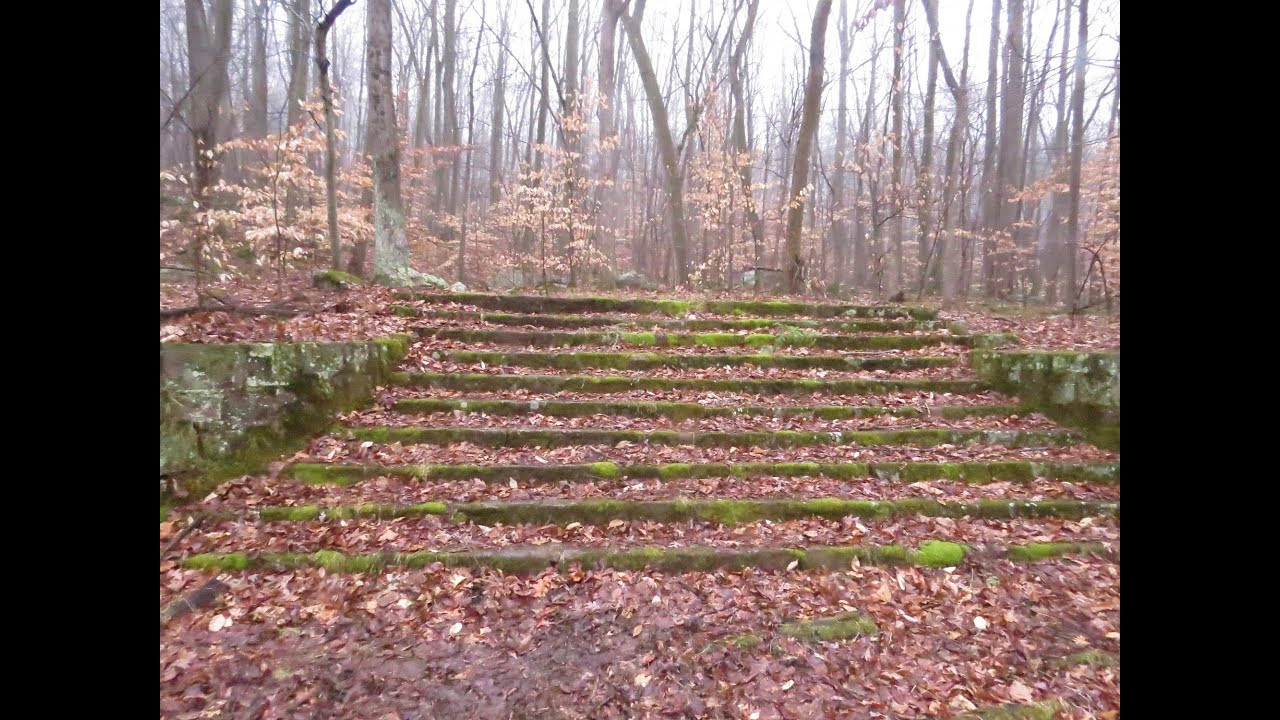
[397, 567]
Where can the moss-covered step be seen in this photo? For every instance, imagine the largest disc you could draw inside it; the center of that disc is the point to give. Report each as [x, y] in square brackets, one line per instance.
[1046, 710]
[844, 626]
[575, 322]
[687, 411]
[550, 338]
[1091, 658]
[967, 472]
[650, 361]
[547, 438]
[723, 511]
[481, 382]
[672, 308]
[528, 559]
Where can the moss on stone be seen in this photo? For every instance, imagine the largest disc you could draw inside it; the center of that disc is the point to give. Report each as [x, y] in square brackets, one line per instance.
[639, 338]
[773, 439]
[939, 553]
[335, 280]
[1092, 658]
[722, 511]
[338, 512]
[404, 310]
[839, 627]
[217, 561]
[1047, 710]
[580, 339]
[468, 382]
[604, 470]
[671, 471]
[535, 559]
[648, 361]
[1032, 552]
[315, 473]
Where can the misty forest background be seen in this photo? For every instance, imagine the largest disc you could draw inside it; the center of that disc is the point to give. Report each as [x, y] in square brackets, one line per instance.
[952, 150]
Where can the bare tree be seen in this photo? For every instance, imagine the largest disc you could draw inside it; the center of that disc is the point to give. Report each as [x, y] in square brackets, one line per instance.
[391, 265]
[839, 233]
[208, 47]
[745, 166]
[330, 135]
[257, 121]
[662, 130]
[895, 184]
[808, 128]
[1077, 155]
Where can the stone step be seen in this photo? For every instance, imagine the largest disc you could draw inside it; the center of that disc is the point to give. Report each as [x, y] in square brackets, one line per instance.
[551, 338]
[723, 511]
[480, 382]
[968, 472]
[526, 559]
[648, 322]
[671, 308]
[547, 438]
[649, 361]
[686, 411]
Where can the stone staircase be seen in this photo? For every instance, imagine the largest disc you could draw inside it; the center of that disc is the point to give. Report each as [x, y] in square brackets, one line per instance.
[844, 455]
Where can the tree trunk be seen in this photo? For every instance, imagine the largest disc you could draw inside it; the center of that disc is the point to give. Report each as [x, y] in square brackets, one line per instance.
[299, 63]
[571, 133]
[330, 132]
[208, 49]
[861, 249]
[1059, 158]
[744, 162]
[662, 131]
[1009, 162]
[445, 184]
[929, 250]
[990, 183]
[839, 232]
[499, 114]
[607, 158]
[960, 92]
[257, 120]
[899, 201]
[1077, 155]
[391, 265]
[804, 145]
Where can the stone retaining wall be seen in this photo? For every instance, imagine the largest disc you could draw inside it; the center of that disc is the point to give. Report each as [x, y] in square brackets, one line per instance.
[229, 409]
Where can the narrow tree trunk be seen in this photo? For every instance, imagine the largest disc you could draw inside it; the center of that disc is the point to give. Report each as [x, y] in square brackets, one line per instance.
[861, 249]
[744, 162]
[1059, 159]
[804, 144]
[899, 197]
[499, 113]
[839, 232]
[330, 133]
[571, 132]
[960, 92]
[445, 173]
[1077, 154]
[930, 278]
[990, 183]
[608, 156]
